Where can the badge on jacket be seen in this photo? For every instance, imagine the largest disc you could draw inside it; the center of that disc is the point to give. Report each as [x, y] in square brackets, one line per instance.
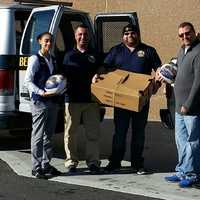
[140, 53]
[91, 59]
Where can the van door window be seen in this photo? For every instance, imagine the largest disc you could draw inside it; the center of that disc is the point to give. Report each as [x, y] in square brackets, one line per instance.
[112, 34]
[20, 22]
[108, 27]
[40, 22]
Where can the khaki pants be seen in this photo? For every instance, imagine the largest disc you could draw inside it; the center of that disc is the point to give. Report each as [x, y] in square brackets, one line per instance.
[89, 112]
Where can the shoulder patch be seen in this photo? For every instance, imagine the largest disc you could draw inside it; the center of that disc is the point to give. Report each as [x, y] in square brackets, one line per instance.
[141, 53]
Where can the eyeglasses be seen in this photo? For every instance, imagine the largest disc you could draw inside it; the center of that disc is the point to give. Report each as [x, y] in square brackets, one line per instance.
[130, 33]
[186, 34]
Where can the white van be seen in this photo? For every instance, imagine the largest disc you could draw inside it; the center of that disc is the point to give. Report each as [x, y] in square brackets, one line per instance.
[60, 20]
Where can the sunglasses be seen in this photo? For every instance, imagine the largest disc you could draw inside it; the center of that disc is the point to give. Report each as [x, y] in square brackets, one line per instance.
[130, 33]
[186, 34]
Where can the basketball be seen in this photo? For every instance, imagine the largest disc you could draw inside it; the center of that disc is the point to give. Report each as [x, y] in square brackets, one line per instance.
[168, 72]
[56, 84]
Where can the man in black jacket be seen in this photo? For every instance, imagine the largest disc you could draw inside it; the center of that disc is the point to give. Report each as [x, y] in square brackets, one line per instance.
[80, 65]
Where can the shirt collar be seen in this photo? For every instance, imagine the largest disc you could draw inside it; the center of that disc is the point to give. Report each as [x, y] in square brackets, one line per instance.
[138, 46]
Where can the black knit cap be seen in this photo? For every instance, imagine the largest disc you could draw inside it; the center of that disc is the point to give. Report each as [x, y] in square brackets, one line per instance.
[130, 27]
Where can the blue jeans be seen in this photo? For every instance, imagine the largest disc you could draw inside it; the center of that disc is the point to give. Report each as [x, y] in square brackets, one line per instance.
[187, 135]
[122, 120]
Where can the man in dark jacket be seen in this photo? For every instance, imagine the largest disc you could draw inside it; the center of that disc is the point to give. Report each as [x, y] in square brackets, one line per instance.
[134, 56]
[80, 65]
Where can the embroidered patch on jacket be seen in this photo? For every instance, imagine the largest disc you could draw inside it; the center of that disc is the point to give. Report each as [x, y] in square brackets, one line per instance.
[91, 59]
[140, 53]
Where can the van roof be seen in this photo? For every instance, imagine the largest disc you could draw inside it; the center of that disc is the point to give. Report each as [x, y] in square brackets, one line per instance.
[15, 6]
[18, 6]
[33, 3]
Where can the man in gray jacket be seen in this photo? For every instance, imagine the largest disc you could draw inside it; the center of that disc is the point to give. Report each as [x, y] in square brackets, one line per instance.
[187, 116]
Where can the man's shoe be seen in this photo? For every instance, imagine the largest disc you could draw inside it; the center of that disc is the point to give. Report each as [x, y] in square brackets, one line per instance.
[72, 168]
[52, 171]
[39, 173]
[94, 169]
[187, 182]
[112, 167]
[173, 179]
[141, 171]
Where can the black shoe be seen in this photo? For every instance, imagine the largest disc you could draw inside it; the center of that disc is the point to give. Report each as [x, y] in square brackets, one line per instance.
[52, 171]
[39, 173]
[72, 169]
[94, 169]
[112, 167]
[139, 170]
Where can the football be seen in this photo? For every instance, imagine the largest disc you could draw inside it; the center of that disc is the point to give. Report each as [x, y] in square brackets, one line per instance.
[56, 84]
[168, 72]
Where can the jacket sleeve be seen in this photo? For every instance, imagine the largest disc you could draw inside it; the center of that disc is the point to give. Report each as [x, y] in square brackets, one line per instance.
[194, 96]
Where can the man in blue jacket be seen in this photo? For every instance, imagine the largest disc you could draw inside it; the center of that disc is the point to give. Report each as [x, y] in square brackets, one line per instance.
[134, 56]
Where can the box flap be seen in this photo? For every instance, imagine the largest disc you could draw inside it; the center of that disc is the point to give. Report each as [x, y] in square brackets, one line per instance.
[134, 84]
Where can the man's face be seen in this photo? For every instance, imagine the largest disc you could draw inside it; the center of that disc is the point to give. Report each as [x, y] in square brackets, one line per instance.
[82, 36]
[130, 38]
[186, 35]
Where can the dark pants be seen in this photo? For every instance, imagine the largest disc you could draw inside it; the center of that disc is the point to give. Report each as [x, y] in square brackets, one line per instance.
[122, 119]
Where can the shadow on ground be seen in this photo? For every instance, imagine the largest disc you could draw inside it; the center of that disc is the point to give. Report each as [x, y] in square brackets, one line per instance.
[160, 150]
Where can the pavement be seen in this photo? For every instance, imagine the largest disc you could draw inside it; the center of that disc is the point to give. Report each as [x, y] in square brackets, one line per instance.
[15, 187]
[160, 157]
[151, 185]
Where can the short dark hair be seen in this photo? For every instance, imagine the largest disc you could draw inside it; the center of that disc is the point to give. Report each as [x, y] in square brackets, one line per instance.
[81, 26]
[44, 33]
[183, 24]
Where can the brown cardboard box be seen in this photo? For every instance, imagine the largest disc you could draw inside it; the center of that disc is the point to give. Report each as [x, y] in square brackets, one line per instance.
[123, 89]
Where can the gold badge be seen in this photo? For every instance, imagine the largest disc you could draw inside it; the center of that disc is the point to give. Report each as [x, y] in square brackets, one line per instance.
[140, 53]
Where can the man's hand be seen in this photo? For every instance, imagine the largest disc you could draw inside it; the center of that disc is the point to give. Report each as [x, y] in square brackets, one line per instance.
[48, 94]
[157, 76]
[184, 110]
[95, 78]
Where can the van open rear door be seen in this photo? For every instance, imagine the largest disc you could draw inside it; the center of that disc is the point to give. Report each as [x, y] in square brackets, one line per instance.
[108, 27]
[41, 20]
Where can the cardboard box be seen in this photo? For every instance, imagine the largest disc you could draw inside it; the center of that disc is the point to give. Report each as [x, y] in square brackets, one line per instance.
[123, 89]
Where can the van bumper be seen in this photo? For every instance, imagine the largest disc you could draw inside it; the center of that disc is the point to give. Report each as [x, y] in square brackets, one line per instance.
[15, 120]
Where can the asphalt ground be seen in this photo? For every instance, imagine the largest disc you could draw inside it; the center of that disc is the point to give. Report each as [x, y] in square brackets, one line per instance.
[16, 181]
[15, 187]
